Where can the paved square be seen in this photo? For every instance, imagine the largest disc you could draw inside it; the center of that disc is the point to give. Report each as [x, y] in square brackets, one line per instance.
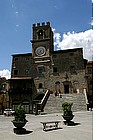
[82, 130]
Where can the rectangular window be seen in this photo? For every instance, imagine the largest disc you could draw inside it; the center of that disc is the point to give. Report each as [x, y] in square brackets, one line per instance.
[15, 72]
[72, 70]
[55, 69]
[27, 71]
[71, 54]
[27, 59]
[89, 70]
[41, 70]
[16, 59]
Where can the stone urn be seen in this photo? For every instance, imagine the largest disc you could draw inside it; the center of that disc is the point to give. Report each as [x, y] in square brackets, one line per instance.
[19, 124]
[68, 118]
[67, 112]
[20, 117]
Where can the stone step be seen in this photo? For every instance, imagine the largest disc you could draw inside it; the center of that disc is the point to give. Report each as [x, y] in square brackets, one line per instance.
[54, 103]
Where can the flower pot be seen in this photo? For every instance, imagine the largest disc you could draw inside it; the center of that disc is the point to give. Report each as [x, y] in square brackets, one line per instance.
[68, 118]
[19, 124]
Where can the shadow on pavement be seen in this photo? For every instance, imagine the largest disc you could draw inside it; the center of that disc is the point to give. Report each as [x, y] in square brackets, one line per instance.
[71, 123]
[50, 129]
[21, 131]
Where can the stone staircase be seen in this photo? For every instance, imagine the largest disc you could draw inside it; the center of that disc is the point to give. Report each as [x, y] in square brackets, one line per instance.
[54, 103]
[42, 104]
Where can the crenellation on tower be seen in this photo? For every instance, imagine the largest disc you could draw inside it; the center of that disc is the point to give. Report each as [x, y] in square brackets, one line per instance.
[38, 24]
[41, 24]
[48, 23]
[34, 25]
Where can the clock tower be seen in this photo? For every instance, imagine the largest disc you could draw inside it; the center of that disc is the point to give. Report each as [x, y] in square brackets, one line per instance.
[42, 40]
[42, 48]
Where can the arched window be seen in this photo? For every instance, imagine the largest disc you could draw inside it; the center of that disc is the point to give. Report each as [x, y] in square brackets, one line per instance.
[40, 34]
[57, 86]
[57, 83]
[76, 87]
[40, 85]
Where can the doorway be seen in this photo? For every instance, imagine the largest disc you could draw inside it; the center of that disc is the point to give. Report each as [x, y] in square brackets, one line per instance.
[66, 89]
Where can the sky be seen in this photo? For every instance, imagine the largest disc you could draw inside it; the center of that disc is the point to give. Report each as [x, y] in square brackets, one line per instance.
[71, 21]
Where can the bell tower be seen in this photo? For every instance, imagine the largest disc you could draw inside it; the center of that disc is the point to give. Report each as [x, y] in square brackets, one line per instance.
[42, 48]
[42, 41]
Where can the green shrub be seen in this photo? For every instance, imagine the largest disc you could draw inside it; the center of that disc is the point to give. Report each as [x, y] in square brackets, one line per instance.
[66, 106]
[20, 114]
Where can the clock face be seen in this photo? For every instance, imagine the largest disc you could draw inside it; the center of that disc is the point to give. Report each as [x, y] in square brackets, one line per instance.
[40, 51]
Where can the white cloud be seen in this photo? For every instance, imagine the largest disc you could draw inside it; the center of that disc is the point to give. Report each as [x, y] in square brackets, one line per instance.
[72, 40]
[16, 12]
[57, 38]
[5, 73]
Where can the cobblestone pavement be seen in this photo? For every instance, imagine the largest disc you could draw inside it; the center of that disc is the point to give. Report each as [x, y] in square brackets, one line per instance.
[81, 130]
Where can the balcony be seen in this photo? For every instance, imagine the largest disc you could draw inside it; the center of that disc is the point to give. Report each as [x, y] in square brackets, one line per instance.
[21, 90]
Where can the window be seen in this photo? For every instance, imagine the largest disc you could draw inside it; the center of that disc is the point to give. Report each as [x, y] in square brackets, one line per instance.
[40, 85]
[16, 59]
[14, 65]
[40, 34]
[72, 69]
[71, 54]
[27, 71]
[55, 69]
[27, 59]
[89, 70]
[57, 86]
[15, 72]
[3, 87]
[75, 87]
[41, 70]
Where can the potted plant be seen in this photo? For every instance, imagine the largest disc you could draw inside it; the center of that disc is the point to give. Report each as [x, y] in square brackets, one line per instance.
[20, 117]
[67, 112]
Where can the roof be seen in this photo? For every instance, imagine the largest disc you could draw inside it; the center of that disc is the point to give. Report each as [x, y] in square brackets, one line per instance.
[20, 78]
[30, 54]
[68, 50]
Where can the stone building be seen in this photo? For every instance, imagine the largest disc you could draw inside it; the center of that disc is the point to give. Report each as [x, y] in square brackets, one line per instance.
[32, 74]
[3, 94]
[89, 79]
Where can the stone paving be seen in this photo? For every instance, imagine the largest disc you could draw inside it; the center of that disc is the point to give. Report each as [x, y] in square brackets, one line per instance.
[82, 130]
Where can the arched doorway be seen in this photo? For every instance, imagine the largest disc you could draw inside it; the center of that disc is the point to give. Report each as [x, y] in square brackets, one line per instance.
[67, 85]
[66, 89]
[57, 88]
[75, 87]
